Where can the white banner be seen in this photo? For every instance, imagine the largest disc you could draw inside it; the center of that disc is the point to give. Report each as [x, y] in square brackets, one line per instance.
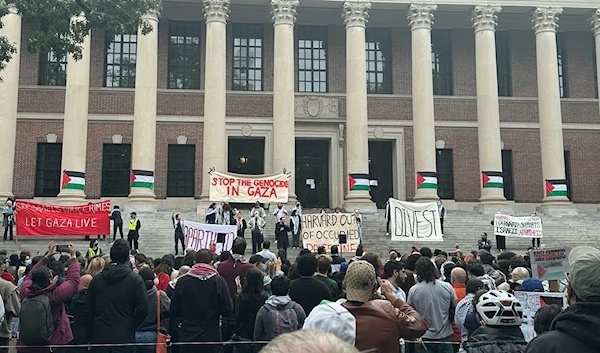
[531, 302]
[522, 227]
[230, 187]
[324, 229]
[201, 235]
[414, 221]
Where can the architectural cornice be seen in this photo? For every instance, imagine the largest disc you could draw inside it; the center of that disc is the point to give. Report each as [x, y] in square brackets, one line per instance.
[216, 10]
[356, 13]
[151, 16]
[595, 21]
[12, 9]
[284, 11]
[485, 17]
[545, 19]
[421, 16]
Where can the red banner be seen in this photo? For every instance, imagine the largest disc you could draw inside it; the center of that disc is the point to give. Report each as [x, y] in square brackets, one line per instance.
[39, 219]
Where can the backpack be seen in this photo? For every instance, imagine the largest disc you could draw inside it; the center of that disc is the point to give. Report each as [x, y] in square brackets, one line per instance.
[36, 323]
[282, 319]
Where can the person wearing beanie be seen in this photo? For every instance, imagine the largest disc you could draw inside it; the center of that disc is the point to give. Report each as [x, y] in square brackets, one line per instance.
[532, 285]
[380, 324]
[146, 331]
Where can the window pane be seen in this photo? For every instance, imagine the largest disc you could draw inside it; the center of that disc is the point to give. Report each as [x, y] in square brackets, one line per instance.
[119, 68]
[184, 55]
[445, 173]
[312, 67]
[247, 49]
[116, 169]
[378, 47]
[441, 62]
[48, 169]
[503, 64]
[181, 170]
[53, 72]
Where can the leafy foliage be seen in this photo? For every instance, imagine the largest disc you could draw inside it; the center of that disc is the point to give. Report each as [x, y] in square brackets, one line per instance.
[58, 34]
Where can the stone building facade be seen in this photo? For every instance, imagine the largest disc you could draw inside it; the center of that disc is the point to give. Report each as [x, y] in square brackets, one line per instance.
[452, 90]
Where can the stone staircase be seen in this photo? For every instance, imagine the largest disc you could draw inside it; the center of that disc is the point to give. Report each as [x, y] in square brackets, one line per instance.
[461, 227]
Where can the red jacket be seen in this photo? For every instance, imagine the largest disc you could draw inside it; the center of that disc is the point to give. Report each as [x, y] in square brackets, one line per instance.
[163, 281]
[58, 295]
[7, 276]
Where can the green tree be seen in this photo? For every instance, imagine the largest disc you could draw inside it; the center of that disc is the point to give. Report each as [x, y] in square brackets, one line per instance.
[58, 34]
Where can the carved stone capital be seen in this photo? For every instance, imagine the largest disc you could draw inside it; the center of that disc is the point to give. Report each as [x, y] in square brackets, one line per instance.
[485, 17]
[595, 21]
[284, 11]
[421, 15]
[151, 16]
[216, 10]
[545, 19]
[356, 13]
[12, 9]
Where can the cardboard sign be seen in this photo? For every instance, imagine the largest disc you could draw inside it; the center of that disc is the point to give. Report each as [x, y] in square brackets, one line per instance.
[522, 227]
[531, 302]
[39, 219]
[230, 187]
[201, 235]
[549, 264]
[326, 229]
[414, 221]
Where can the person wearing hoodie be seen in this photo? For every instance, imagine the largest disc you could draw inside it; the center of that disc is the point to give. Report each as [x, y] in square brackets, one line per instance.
[116, 303]
[41, 281]
[146, 332]
[280, 298]
[576, 328]
[200, 299]
[490, 268]
[77, 311]
[502, 316]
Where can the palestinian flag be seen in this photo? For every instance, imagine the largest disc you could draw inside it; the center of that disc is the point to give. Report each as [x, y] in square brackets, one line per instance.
[426, 180]
[73, 180]
[492, 180]
[359, 182]
[142, 179]
[556, 187]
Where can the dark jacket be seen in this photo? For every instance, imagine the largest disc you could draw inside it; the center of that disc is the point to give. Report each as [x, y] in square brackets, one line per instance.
[149, 323]
[490, 339]
[484, 244]
[245, 310]
[77, 311]
[58, 295]
[281, 235]
[197, 305]
[115, 216]
[380, 324]
[576, 329]
[116, 304]
[309, 292]
[230, 269]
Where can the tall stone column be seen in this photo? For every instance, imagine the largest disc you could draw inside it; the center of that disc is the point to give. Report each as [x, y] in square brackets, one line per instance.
[596, 29]
[421, 19]
[545, 22]
[284, 154]
[488, 115]
[356, 15]
[9, 92]
[142, 195]
[216, 13]
[75, 125]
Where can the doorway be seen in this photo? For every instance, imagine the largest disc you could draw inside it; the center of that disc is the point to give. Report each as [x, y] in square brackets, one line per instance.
[380, 171]
[312, 173]
[246, 156]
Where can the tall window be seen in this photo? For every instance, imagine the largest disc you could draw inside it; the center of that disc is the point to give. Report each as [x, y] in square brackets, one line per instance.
[441, 60]
[507, 174]
[47, 169]
[184, 55]
[379, 60]
[312, 59]
[119, 69]
[503, 64]
[445, 173]
[181, 170]
[116, 169]
[561, 53]
[247, 57]
[53, 70]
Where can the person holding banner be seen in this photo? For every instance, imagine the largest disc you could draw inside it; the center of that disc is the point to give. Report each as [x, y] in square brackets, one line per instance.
[258, 210]
[134, 231]
[8, 212]
[211, 214]
[281, 234]
[256, 224]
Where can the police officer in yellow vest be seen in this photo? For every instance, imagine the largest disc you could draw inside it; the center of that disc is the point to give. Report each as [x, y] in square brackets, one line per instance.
[134, 231]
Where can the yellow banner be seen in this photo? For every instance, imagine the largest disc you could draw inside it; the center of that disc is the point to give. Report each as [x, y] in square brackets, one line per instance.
[231, 187]
[324, 229]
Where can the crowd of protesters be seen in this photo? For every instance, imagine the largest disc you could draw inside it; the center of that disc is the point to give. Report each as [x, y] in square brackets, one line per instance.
[417, 301]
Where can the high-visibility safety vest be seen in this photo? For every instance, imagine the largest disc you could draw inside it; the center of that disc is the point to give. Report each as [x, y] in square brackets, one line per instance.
[92, 253]
[133, 225]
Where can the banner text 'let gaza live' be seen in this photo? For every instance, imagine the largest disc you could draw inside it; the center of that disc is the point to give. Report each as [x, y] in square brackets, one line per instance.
[39, 219]
[230, 187]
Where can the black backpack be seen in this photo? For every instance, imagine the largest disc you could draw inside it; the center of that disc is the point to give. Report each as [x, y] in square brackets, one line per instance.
[36, 323]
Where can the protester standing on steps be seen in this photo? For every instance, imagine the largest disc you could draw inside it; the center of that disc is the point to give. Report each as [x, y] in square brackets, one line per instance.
[258, 210]
[241, 224]
[134, 231]
[115, 216]
[211, 214]
[9, 218]
[500, 240]
[442, 213]
[256, 224]
[358, 217]
[178, 226]
[296, 227]
[281, 234]
[534, 240]
[280, 212]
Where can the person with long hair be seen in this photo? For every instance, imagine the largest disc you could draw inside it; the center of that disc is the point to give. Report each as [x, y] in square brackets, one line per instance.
[249, 299]
[211, 214]
[95, 266]
[163, 273]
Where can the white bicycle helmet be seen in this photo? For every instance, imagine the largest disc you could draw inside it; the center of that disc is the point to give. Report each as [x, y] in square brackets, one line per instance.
[499, 308]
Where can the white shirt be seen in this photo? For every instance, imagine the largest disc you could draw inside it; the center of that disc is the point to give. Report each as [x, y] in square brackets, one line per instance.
[267, 254]
[280, 212]
[398, 292]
